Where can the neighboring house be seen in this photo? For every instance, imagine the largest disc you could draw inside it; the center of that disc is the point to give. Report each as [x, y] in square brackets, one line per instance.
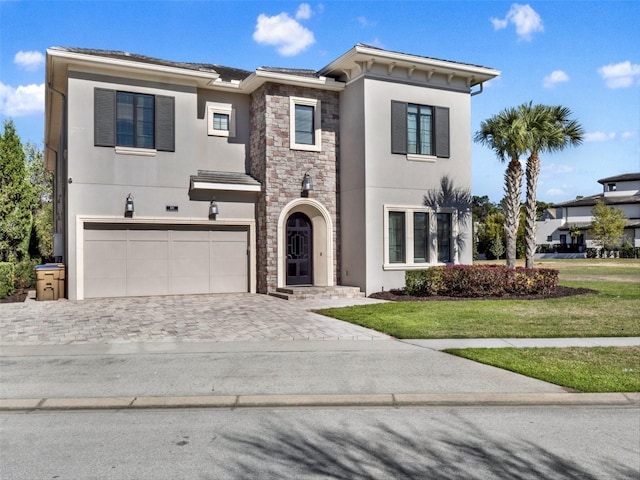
[565, 227]
[174, 178]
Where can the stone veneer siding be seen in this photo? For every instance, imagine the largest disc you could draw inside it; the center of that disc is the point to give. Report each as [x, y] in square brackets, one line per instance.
[280, 169]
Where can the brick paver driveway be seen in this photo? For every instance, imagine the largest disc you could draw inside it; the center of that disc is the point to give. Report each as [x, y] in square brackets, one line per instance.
[189, 318]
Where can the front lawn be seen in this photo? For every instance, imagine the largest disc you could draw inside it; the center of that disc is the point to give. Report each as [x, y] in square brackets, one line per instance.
[613, 312]
[596, 369]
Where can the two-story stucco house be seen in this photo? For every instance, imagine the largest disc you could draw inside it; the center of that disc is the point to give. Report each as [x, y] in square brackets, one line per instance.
[175, 178]
[565, 228]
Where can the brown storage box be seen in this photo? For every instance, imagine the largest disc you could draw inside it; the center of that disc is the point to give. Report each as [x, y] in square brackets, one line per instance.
[50, 279]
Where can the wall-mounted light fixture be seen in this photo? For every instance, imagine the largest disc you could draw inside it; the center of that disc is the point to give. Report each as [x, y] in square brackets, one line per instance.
[213, 209]
[307, 186]
[128, 206]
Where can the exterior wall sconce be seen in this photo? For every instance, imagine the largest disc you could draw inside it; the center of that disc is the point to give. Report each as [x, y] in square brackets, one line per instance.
[213, 209]
[307, 186]
[128, 206]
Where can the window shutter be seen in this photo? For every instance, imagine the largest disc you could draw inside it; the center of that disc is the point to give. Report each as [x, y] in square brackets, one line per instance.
[165, 123]
[442, 132]
[398, 127]
[104, 120]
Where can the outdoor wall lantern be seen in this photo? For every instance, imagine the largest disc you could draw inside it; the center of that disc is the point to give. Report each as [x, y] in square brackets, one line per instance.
[128, 206]
[306, 183]
[213, 209]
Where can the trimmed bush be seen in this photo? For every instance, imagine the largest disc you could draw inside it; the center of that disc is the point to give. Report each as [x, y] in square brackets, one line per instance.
[480, 281]
[25, 272]
[6, 279]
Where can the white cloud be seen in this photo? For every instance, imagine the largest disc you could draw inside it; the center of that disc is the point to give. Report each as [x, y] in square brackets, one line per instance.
[628, 135]
[555, 77]
[21, 101]
[555, 192]
[304, 12]
[284, 32]
[620, 75]
[29, 60]
[365, 22]
[599, 136]
[526, 20]
[555, 168]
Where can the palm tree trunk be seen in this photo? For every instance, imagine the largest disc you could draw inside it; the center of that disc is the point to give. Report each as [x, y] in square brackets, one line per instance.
[513, 187]
[533, 172]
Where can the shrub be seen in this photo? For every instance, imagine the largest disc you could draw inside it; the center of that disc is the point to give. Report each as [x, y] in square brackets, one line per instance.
[6, 279]
[480, 281]
[25, 272]
[629, 251]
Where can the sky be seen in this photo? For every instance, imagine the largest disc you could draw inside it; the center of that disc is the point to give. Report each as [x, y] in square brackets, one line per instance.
[584, 55]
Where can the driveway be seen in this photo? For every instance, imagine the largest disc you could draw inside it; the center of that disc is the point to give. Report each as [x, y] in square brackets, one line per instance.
[185, 318]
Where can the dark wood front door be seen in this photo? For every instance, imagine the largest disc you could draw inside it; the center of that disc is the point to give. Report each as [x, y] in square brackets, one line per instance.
[299, 250]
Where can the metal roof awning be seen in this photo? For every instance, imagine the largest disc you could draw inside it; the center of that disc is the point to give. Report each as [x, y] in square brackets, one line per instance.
[224, 181]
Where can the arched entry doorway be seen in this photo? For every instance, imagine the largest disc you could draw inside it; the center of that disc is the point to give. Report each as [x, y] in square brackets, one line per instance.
[306, 215]
[299, 250]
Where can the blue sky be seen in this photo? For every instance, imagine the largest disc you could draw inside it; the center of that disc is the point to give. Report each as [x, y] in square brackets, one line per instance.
[584, 55]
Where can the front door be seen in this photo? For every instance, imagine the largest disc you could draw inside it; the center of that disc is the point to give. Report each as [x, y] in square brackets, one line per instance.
[299, 250]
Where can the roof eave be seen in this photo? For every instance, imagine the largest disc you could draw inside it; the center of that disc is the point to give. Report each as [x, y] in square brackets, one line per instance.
[260, 77]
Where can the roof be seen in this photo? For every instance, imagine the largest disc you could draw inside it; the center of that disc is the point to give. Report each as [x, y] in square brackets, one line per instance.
[226, 73]
[591, 200]
[627, 177]
[213, 180]
[301, 72]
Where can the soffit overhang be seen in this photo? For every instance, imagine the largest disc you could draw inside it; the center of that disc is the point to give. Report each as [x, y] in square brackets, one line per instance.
[360, 60]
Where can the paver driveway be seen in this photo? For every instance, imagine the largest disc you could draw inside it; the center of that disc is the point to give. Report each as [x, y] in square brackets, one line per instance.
[189, 318]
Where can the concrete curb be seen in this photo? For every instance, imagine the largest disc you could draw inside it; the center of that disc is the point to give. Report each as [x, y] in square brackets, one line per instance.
[347, 400]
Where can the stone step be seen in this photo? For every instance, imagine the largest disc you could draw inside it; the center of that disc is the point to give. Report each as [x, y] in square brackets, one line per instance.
[323, 293]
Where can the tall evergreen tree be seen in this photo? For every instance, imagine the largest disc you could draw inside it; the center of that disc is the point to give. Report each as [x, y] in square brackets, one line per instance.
[16, 198]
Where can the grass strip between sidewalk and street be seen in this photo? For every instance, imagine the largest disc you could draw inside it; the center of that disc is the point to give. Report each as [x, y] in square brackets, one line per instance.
[593, 369]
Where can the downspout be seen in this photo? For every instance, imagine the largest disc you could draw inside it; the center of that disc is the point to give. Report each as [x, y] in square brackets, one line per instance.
[60, 176]
[478, 92]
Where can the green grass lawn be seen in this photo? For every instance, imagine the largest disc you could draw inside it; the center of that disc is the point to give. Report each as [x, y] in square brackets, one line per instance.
[611, 312]
[596, 369]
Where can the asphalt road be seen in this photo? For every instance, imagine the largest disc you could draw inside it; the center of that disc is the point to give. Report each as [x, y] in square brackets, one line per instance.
[349, 443]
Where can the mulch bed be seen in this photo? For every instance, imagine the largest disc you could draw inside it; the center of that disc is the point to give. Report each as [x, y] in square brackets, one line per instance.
[560, 292]
[19, 296]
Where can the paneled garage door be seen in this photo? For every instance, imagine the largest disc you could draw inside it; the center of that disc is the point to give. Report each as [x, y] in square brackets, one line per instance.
[138, 260]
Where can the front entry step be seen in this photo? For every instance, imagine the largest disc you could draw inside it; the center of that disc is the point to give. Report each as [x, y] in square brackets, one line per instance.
[313, 293]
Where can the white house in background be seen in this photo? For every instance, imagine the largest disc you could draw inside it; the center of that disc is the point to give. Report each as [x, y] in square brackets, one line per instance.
[557, 224]
[176, 178]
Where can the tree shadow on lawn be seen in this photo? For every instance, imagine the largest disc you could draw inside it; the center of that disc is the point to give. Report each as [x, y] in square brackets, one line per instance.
[381, 451]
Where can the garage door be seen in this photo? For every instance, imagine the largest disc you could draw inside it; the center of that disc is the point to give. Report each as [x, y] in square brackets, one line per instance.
[135, 260]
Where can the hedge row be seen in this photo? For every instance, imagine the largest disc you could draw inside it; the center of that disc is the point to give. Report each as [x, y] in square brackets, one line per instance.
[480, 281]
[6, 279]
[626, 251]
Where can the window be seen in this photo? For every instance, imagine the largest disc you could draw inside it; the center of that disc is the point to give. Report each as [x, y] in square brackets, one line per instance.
[419, 131]
[549, 238]
[221, 120]
[443, 221]
[563, 239]
[396, 237]
[134, 121]
[611, 187]
[304, 125]
[417, 236]
[420, 237]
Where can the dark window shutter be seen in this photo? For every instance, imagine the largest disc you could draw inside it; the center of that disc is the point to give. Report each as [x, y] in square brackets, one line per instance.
[442, 132]
[398, 127]
[104, 121]
[165, 124]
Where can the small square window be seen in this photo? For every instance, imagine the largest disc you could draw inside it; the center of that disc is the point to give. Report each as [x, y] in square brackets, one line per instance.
[220, 120]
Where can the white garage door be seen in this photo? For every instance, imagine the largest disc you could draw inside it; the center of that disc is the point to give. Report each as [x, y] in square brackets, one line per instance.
[135, 260]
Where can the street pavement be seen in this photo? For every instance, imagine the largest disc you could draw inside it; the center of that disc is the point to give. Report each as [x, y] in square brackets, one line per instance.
[244, 350]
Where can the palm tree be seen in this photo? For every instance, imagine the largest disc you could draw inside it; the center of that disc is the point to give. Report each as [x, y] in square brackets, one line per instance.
[505, 134]
[549, 129]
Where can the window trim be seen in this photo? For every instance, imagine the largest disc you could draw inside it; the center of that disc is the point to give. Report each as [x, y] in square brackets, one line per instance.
[410, 263]
[317, 118]
[222, 109]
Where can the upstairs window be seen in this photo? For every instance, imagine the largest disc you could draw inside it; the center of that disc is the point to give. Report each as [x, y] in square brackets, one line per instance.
[419, 130]
[221, 119]
[305, 132]
[135, 120]
[129, 120]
